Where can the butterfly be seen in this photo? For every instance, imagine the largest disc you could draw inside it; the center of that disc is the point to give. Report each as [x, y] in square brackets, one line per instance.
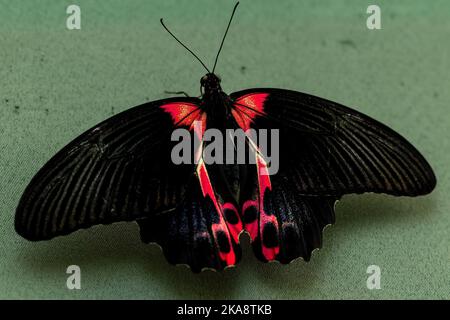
[122, 170]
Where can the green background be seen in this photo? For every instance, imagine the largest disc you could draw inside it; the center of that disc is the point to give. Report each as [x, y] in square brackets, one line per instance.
[56, 83]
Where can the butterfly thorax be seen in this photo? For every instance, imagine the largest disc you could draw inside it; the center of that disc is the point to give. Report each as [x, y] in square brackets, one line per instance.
[215, 102]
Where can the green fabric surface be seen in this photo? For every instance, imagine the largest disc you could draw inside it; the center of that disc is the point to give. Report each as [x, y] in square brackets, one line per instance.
[57, 83]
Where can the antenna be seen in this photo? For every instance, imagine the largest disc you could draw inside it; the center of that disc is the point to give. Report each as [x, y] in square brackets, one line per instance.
[196, 57]
[224, 36]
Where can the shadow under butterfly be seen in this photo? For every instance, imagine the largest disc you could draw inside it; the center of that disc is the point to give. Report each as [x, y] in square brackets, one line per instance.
[121, 170]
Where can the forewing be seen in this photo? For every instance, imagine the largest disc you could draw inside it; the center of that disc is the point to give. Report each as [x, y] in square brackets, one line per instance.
[119, 170]
[329, 149]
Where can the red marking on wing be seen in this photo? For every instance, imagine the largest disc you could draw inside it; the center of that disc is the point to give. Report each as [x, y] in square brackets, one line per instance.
[252, 227]
[235, 229]
[199, 129]
[222, 227]
[247, 107]
[255, 228]
[185, 114]
[265, 218]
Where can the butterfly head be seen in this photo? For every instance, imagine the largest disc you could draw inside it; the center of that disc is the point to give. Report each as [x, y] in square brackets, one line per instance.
[210, 83]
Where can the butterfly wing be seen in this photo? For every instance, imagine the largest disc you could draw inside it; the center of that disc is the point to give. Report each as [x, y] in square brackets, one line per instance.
[330, 149]
[326, 150]
[203, 232]
[119, 170]
[282, 224]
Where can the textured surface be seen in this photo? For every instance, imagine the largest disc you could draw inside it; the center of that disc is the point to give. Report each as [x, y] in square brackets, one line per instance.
[57, 83]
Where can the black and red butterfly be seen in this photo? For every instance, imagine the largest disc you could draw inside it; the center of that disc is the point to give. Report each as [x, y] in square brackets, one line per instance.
[121, 170]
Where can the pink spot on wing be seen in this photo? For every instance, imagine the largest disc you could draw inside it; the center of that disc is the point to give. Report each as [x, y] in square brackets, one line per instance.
[182, 113]
[185, 114]
[247, 107]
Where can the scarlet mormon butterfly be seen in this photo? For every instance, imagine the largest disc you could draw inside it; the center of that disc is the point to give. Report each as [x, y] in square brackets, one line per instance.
[121, 170]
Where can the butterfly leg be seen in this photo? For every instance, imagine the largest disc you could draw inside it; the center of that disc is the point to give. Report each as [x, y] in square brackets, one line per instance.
[177, 92]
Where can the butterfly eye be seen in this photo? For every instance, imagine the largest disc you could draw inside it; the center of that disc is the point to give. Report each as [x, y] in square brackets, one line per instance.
[203, 80]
